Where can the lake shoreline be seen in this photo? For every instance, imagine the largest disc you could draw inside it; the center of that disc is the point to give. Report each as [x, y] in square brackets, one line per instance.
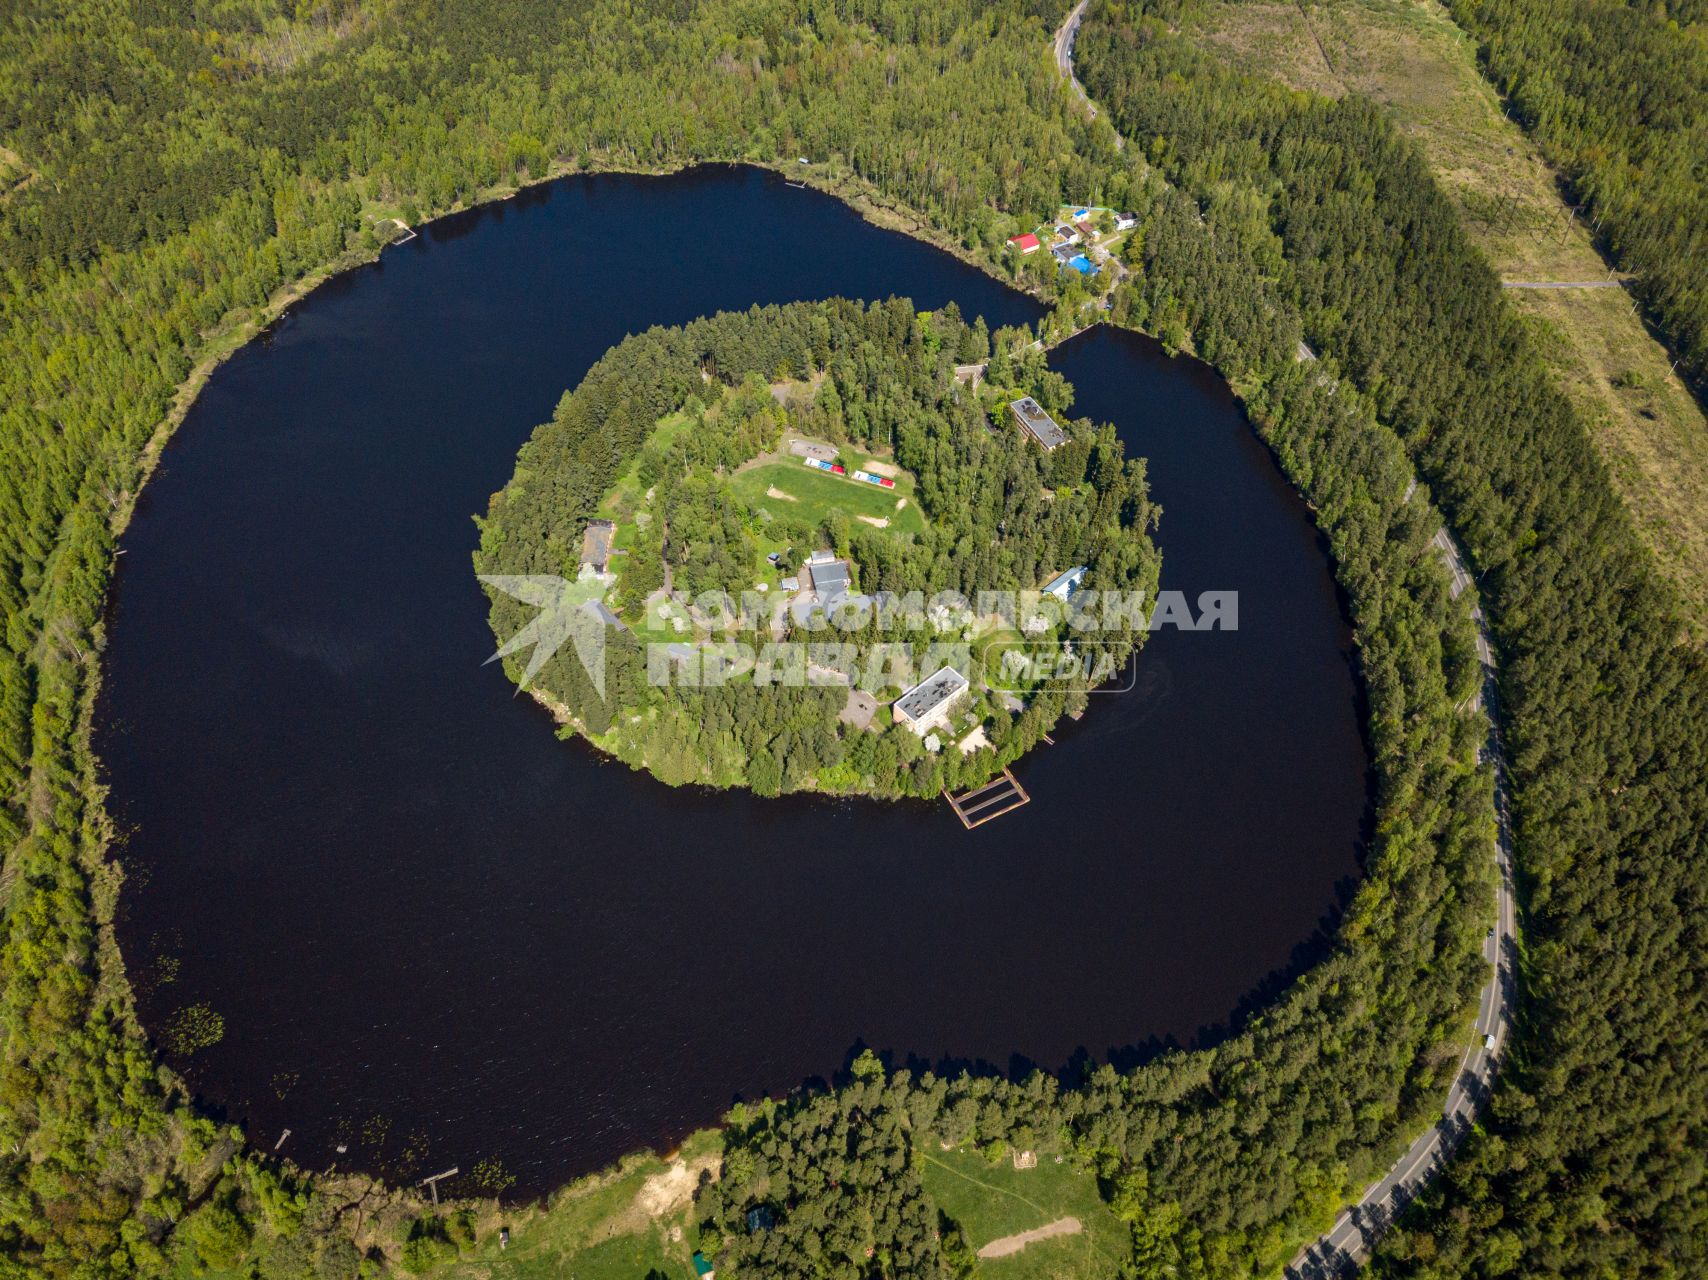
[296, 335]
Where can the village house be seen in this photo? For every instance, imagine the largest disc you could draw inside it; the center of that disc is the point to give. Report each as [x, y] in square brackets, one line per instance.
[830, 577]
[1066, 583]
[596, 545]
[1027, 243]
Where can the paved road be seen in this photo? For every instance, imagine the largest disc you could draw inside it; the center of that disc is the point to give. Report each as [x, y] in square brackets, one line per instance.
[1346, 1245]
[1562, 284]
[1065, 35]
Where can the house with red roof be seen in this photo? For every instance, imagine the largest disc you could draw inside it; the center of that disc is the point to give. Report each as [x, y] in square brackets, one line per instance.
[1027, 243]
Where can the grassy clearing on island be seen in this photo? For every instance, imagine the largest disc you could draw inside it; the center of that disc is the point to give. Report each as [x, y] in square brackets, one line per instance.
[814, 495]
[632, 1221]
[993, 1201]
[1410, 56]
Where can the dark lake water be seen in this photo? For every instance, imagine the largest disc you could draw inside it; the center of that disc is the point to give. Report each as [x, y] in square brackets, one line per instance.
[439, 935]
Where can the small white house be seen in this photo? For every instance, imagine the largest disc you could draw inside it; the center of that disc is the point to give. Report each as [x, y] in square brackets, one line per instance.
[1126, 221]
[1065, 584]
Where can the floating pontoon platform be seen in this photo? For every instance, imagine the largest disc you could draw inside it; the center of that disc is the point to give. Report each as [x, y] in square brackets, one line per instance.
[981, 804]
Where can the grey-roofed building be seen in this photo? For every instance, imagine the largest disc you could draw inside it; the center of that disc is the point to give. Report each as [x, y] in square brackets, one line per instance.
[926, 706]
[1036, 423]
[596, 545]
[830, 577]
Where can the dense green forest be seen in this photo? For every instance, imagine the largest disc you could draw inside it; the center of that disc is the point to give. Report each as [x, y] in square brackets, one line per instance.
[1004, 516]
[1617, 96]
[1588, 1162]
[166, 174]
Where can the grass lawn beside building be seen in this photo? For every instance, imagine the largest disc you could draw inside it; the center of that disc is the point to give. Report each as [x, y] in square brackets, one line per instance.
[812, 495]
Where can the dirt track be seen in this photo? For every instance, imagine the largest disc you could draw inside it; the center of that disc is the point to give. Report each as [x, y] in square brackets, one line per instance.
[1014, 1244]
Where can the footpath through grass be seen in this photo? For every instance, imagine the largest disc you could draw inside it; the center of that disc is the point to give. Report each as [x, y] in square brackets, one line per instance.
[993, 1201]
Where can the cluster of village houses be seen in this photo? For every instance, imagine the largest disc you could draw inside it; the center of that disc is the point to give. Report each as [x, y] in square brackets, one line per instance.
[1070, 239]
[825, 583]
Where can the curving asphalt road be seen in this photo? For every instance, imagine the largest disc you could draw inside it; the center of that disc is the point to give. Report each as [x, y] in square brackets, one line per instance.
[1346, 1245]
[1065, 35]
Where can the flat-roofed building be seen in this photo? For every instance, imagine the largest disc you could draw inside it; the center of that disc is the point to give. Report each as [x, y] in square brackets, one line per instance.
[927, 705]
[1036, 423]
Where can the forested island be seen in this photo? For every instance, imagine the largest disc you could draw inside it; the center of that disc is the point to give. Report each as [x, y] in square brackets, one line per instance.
[169, 177]
[785, 520]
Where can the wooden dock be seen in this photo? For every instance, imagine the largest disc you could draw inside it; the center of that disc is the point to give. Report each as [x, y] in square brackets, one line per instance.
[981, 804]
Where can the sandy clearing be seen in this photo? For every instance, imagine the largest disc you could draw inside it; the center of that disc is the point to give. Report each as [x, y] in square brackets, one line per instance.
[900, 503]
[772, 491]
[671, 1190]
[877, 522]
[884, 469]
[1014, 1244]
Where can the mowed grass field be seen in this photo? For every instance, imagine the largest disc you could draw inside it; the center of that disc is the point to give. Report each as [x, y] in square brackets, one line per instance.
[993, 1201]
[1411, 57]
[812, 495]
[634, 1222]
